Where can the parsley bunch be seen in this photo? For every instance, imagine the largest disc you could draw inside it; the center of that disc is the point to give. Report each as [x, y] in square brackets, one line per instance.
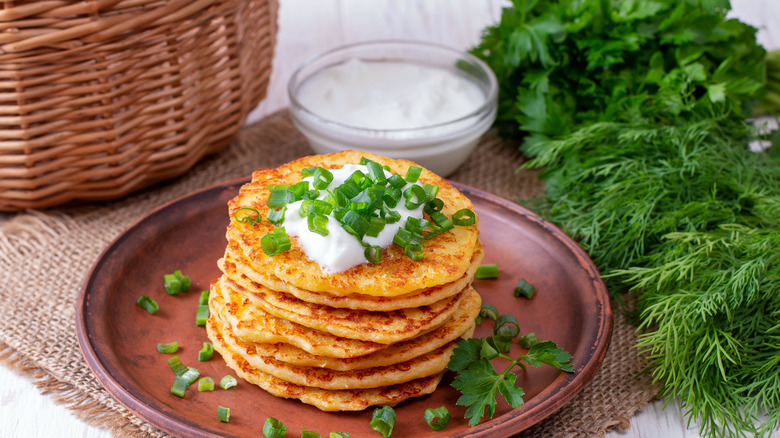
[636, 112]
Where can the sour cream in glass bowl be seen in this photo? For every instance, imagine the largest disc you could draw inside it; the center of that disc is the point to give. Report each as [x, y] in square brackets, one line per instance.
[401, 99]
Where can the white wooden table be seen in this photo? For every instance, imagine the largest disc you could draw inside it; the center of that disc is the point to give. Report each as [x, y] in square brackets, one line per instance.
[306, 28]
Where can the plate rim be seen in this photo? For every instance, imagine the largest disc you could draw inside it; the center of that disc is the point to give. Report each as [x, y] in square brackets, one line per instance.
[499, 424]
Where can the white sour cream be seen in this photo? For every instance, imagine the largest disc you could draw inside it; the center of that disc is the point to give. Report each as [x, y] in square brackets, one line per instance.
[389, 95]
[339, 250]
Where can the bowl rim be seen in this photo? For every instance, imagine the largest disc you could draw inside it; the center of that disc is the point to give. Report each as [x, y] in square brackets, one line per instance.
[486, 107]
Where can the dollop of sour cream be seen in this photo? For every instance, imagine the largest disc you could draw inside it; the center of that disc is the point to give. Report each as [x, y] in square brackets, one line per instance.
[389, 95]
[339, 250]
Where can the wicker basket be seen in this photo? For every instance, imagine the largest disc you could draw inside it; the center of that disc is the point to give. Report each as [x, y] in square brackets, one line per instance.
[102, 97]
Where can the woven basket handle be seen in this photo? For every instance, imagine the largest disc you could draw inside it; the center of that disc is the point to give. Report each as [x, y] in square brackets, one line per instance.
[101, 27]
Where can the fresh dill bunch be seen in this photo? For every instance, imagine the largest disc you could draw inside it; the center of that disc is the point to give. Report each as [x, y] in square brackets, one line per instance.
[689, 219]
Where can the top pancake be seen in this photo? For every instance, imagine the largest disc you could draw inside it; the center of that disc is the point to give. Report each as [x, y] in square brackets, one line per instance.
[447, 256]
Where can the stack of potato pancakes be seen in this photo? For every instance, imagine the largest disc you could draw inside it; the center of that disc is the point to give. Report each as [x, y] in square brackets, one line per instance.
[373, 334]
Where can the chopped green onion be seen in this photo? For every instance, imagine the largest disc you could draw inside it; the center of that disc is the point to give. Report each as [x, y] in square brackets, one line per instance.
[361, 202]
[506, 325]
[185, 280]
[396, 181]
[528, 341]
[487, 271]
[223, 414]
[464, 217]
[148, 304]
[168, 347]
[414, 251]
[488, 311]
[434, 205]
[191, 375]
[204, 297]
[339, 435]
[383, 420]
[321, 177]
[310, 434]
[274, 428]
[202, 315]
[391, 196]
[375, 226]
[415, 196]
[206, 352]
[318, 223]
[354, 224]
[179, 386]
[172, 284]
[280, 195]
[373, 254]
[246, 217]
[390, 216]
[275, 242]
[276, 217]
[413, 174]
[437, 418]
[206, 384]
[228, 382]
[524, 289]
[349, 188]
[430, 192]
[376, 173]
[176, 366]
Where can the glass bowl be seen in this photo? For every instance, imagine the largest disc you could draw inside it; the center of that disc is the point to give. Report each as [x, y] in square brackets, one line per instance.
[439, 147]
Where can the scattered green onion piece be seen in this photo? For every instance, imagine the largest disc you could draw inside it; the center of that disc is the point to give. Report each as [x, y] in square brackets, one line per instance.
[228, 382]
[434, 205]
[373, 254]
[206, 384]
[246, 217]
[274, 428]
[191, 375]
[442, 221]
[179, 386]
[202, 315]
[223, 414]
[206, 352]
[204, 297]
[275, 242]
[391, 196]
[318, 223]
[176, 366]
[383, 420]
[415, 197]
[464, 217]
[524, 289]
[430, 192]
[168, 347]
[349, 188]
[276, 217]
[414, 251]
[487, 271]
[488, 311]
[321, 177]
[172, 284]
[339, 435]
[361, 202]
[413, 174]
[375, 226]
[310, 434]
[300, 190]
[506, 325]
[280, 195]
[437, 418]
[396, 181]
[390, 216]
[528, 341]
[185, 280]
[148, 304]
[361, 179]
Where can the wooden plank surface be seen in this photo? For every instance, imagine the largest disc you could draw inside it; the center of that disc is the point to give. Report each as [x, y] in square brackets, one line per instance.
[306, 28]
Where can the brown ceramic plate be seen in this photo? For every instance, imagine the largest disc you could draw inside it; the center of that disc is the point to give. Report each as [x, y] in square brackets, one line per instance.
[119, 339]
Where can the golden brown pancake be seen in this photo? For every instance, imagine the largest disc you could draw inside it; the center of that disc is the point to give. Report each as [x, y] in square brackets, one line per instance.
[364, 325]
[447, 256]
[326, 400]
[238, 269]
[259, 326]
[460, 325]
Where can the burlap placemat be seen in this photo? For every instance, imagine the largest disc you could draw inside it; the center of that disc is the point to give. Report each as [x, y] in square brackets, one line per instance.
[44, 257]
